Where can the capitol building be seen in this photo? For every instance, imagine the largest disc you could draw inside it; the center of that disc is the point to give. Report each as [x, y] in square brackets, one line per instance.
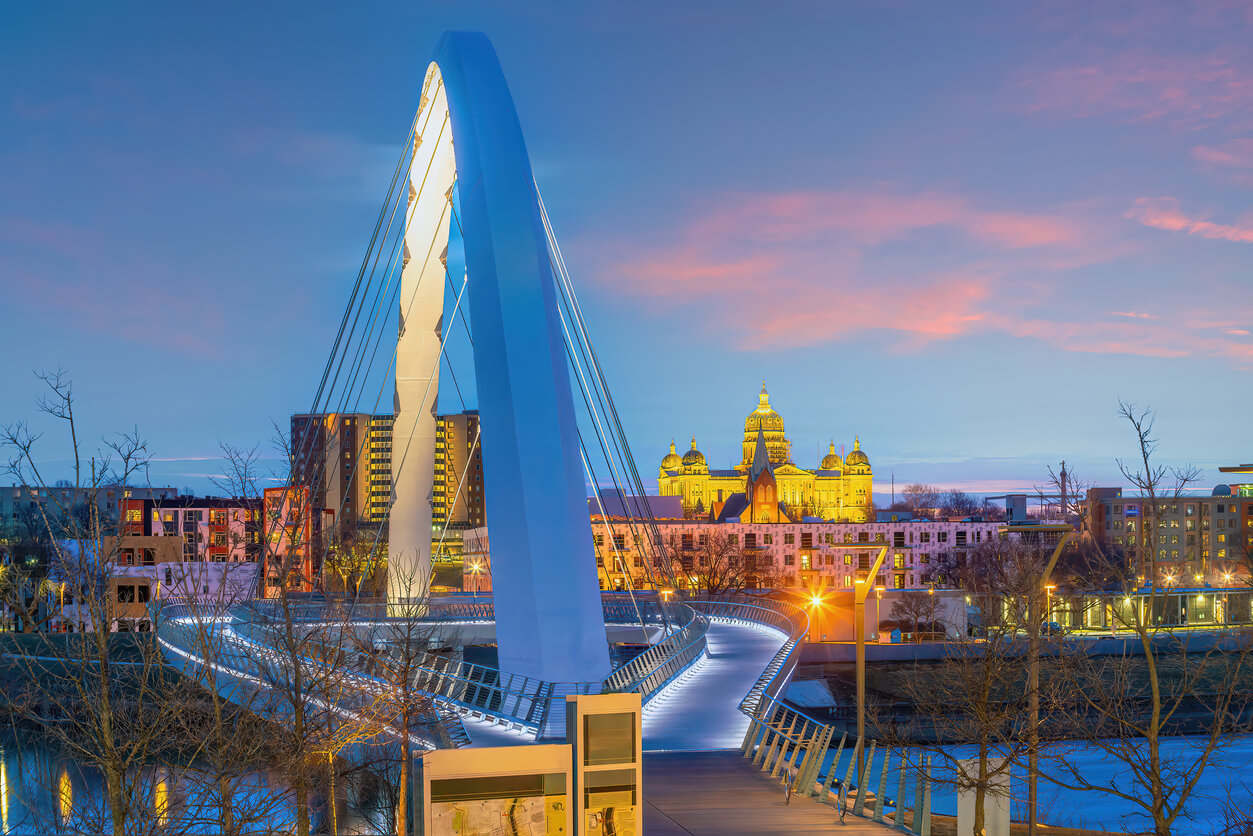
[838, 490]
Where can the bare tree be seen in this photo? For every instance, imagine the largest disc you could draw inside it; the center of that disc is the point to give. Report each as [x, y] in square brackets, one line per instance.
[922, 500]
[975, 695]
[917, 606]
[115, 702]
[957, 503]
[1127, 707]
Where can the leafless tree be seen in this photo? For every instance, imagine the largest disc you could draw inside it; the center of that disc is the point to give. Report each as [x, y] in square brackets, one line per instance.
[922, 500]
[1127, 707]
[975, 695]
[916, 605]
[112, 697]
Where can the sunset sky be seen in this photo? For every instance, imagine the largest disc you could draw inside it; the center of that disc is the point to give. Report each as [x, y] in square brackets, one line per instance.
[961, 231]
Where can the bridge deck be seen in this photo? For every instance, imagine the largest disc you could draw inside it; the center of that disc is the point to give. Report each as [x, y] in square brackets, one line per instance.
[700, 710]
[722, 794]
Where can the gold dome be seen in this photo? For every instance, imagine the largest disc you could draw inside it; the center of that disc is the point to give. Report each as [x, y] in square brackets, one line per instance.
[832, 460]
[671, 460]
[770, 424]
[858, 456]
[694, 459]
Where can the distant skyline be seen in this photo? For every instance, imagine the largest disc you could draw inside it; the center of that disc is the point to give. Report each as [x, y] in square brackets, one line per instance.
[959, 231]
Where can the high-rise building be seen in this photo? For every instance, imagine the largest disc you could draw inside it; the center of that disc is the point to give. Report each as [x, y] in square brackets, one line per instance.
[346, 460]
[457, 501]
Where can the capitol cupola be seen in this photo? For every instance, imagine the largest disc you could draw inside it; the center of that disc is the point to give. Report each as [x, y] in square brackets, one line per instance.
[765, 420]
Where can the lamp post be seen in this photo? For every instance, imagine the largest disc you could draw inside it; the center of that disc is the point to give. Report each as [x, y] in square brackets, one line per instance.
[878, 602]
[861, 588]
[476, 569]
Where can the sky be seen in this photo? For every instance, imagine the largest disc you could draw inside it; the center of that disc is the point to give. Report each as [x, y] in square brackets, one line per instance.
[958, 231]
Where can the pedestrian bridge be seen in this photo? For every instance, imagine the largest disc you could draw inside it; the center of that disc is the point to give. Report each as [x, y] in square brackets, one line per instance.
[707, 666]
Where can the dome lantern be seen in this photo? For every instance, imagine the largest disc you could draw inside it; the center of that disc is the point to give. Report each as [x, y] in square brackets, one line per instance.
[831, 461]
[671, 460]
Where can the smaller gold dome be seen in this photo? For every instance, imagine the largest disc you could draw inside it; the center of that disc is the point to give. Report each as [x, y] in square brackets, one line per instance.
[857, 456]
[693, 457]
[832, 460]
[671, 460]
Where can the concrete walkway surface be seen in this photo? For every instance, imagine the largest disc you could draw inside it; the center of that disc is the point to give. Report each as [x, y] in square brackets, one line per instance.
[722, 794]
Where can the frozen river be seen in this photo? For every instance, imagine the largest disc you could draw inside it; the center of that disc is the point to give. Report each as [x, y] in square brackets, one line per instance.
[1222, 779]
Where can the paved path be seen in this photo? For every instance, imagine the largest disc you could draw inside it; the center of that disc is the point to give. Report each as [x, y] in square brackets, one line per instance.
[721, 794]
[700, 710]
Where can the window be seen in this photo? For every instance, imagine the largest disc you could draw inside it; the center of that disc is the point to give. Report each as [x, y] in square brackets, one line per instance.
[789, 560]
[898, 538]
[898, 561]
[898, 581]
[961, 538]
[807, 540]
[941, 537]
[848, 559]
[599, 540]
[134, 515]
[768, 539]
[619, 541]
[789, 539]
[125, 594]
[750, 540]
[848, 536]
[830, 539]
[848, 580]
[925, 537]
[878, 537]
[144, 592]
[805, 561]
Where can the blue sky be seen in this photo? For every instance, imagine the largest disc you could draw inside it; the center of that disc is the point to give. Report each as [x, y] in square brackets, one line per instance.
[961, 231]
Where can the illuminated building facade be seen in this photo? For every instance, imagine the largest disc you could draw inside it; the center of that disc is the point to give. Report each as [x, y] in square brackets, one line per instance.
[347, 457]
[1196, 539]
[839, 489]
[786, 555]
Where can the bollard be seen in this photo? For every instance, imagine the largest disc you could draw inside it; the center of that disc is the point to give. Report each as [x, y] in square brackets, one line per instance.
[835, 764]
[883, 787]
[864, 781]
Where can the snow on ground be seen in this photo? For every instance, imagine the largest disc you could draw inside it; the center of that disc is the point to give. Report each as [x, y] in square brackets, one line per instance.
[1203, 814]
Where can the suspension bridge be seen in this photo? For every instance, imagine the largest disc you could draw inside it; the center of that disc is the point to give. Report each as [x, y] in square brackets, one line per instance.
[463, 260]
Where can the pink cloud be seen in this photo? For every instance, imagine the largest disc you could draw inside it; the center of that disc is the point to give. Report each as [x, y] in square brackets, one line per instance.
[797, 269]
[1235, 153]
[1164, 213]
[1188, 90]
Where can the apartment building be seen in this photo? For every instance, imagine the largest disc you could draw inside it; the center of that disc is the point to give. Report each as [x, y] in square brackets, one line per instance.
[793, 555]
[346, 458]
[26, 505]
[1195, 539]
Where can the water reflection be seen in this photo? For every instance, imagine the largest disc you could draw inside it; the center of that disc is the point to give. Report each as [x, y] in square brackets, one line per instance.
[41, 793]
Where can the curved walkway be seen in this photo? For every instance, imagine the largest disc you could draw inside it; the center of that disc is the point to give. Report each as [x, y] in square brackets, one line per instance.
[700, 709]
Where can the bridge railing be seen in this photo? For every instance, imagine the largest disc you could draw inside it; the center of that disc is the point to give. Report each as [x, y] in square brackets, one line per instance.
[792, 621]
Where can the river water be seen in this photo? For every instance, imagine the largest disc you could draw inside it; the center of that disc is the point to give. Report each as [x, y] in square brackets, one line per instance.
[41, 793]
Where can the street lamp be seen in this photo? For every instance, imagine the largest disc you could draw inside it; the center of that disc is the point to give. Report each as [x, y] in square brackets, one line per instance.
[878, 602]
[476, 569]
[1048, 602]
